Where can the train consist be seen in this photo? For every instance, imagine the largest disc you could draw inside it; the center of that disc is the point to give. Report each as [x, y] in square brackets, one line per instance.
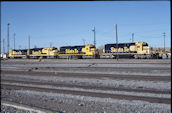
[87, 51]
[121, 50]
[50, 52]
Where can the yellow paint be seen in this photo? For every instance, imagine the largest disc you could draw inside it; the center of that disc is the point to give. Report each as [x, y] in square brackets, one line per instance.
[13, 53]
[51, 51]
[89, 50]
[142, 48]
[132, 48]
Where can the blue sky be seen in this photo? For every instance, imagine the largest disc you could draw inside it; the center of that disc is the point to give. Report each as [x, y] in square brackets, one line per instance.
[68, 23]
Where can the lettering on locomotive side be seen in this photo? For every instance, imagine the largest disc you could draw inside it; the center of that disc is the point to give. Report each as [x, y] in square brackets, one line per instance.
[71, 51]
[125, 49]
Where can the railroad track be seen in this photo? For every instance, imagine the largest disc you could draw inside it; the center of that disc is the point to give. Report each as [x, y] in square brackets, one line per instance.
[149, 69]
[73, 85]
[87, 87]
[36, 87]
[96, 61]
[89, 75]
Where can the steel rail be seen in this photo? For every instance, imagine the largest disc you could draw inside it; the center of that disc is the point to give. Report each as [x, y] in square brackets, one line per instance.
[92, 94]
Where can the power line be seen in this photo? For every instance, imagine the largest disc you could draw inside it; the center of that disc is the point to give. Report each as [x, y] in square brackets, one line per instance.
[83, 41]
[145, 24]
[20, 46]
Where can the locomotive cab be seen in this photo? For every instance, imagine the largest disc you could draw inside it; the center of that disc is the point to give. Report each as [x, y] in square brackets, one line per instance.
[89, 50]
[50, 51]
[143, 48]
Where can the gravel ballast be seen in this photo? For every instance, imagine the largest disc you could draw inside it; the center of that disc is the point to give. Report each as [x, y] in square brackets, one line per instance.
[88, 85]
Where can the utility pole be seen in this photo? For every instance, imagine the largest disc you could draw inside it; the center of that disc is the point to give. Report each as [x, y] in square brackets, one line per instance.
[29, 42]
[3, 45]
[117, 42]
[94, 30]
[164, 41]
[8, 44]
[19, 46]
[50, 44]
[132, 37]
[28, 56]
[14, 40]
[83, 41]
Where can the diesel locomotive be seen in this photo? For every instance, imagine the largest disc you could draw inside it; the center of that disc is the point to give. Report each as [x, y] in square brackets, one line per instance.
[127, 50]
[122, 50]
[83, 51]
[50, 52]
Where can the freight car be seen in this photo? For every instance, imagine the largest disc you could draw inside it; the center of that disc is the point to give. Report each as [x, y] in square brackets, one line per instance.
[127, 50]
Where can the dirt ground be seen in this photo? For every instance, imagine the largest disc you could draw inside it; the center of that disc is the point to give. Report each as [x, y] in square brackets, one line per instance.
[88, 85]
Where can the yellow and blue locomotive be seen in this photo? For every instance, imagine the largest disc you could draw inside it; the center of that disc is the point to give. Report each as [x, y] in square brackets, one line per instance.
[20, 53]
[129, 50]
[85, 51]
[121, 50]
[50, 52]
